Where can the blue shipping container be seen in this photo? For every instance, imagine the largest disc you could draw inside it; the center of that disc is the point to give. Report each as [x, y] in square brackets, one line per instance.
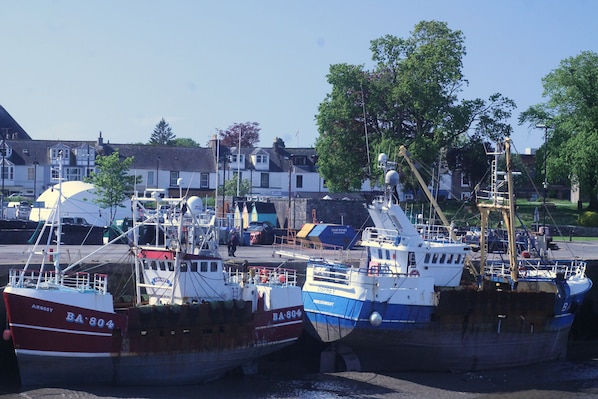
[333, 235]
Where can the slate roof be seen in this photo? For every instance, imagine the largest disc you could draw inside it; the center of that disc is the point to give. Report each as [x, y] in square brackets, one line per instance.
[26, 151]
[9, 128]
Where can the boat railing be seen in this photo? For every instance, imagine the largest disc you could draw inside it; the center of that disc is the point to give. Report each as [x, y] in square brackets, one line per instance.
[261, 275]
[300, 248]
[539, 270]
[80, 281]
[434, 232]
[386, 236]
[339, 273]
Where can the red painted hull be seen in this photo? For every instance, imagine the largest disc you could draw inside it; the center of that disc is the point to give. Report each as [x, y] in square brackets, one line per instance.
[70, 345]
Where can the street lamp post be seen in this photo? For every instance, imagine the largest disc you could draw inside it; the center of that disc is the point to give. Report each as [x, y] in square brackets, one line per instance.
[35, 163]
[2, 169]
[545, 182]
[239, 165]
[157, 171]
[87, 170]
[290, 187]
[223, 182]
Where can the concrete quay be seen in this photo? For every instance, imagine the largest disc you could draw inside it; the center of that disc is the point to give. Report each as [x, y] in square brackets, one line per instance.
[15, 255]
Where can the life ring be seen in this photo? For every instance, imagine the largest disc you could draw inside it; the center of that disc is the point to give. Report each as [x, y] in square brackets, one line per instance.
[414, 273]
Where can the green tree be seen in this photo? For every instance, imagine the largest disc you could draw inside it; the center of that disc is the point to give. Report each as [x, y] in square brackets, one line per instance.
[185, 142]
[570, 117]
[469, 157]
[162, 134]
[112, 181]
[248, 131]
[410, 98]
[230, 187]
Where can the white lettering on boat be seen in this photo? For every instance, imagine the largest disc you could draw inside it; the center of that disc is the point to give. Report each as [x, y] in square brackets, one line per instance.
[44, 308]
[91, 321]
[288, 315]
[326, 290]
[321, 302]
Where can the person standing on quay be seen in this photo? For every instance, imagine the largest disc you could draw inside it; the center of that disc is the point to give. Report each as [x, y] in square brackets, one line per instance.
[233, 241]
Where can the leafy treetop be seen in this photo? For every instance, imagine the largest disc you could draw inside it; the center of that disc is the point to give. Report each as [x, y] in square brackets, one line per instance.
[410, 98]
[569, 119]
[112, 181]
[248, 131]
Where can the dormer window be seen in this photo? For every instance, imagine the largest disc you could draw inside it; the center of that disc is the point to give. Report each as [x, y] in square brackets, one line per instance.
[5, 149]
[260, 159]
[60, 152]
[233, 158]
[300, 160]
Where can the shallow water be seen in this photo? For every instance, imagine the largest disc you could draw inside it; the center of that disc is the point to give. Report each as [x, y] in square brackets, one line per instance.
[563, 379]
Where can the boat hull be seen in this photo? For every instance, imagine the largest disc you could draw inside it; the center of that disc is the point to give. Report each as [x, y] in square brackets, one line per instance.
[468, 330]
[174, 344]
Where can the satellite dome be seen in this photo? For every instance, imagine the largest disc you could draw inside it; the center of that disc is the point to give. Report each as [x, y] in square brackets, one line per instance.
[392, 178]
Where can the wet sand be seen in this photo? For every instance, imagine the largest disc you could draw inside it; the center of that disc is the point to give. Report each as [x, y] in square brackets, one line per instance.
[285, 378]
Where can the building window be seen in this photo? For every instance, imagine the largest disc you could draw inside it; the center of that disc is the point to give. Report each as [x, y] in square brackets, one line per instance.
[299, 181]
[150, 178]
[73, 174]
[204, 180]
[464, 180]
[265, 180]
[174, 176]
[261, 159]
[30, 173]
[8, 172]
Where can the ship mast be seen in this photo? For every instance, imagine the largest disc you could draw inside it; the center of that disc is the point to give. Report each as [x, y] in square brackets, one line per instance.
[501, 201]
[405, 153]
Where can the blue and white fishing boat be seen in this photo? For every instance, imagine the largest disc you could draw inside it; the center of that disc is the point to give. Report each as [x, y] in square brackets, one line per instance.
[417, 302]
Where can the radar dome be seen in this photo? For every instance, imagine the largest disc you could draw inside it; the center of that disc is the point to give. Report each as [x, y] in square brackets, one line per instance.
[195, 205]
[382, 158]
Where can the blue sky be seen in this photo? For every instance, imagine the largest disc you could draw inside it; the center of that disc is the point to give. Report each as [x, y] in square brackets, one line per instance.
[71, 68]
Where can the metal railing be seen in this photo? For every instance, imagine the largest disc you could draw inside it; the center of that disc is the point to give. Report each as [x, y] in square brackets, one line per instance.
[538, 270]
[80, 281]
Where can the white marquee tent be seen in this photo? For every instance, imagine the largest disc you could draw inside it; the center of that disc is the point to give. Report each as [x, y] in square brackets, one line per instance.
[77, 201]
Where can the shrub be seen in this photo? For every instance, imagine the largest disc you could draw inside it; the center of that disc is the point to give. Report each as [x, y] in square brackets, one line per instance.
[588, 219]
